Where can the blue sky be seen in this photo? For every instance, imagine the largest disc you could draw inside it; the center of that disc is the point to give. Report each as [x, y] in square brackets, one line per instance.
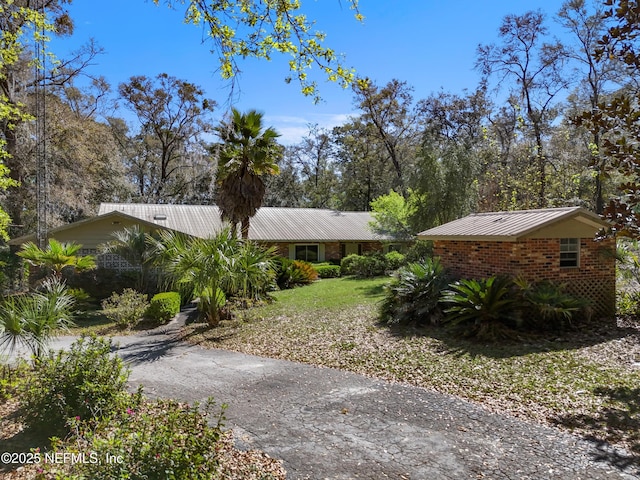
[430, 44]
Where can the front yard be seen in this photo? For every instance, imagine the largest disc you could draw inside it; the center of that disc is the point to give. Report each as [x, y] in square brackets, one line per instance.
[586, 381]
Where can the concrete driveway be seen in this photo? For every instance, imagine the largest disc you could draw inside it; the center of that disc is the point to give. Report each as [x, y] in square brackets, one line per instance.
[330, 424]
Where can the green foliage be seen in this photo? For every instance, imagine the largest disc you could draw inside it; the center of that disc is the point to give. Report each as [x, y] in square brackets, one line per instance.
[86, 382]
[413, 296]
[249, 153]
[365, 266]
[100, 283]
[57, 256]
[419, 251]
[628, 303]
[155, 440]
[11, 376]
[33, 319]
[210, 300]
[547, 306]
[327, 271]
[252, 271]
[81, 298]
[486, 306]
[10, 271]
[164, 306]
[294, 273]
[131, 244]
[215, 268]
[347, 264]
[394, 260]
[126, 308]
[262, 29]
[391, 215]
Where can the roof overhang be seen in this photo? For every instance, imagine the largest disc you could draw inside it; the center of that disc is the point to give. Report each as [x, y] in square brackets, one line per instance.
[99, 218]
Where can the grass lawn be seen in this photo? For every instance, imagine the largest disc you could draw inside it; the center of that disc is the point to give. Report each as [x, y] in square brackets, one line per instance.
[586, 381]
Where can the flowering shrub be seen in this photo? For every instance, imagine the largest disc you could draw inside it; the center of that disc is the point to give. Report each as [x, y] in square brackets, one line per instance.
[86, 382]
[125, 309]
[161, 439]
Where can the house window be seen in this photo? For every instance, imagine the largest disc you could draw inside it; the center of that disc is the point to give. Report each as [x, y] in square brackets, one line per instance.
[308, 253]
[569, 252]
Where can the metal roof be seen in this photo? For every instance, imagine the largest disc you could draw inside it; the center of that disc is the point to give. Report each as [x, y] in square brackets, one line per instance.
[273, 224]
[508, 226]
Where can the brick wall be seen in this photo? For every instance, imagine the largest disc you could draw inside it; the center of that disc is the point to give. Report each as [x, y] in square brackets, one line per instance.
[535, 260]
[332, 250]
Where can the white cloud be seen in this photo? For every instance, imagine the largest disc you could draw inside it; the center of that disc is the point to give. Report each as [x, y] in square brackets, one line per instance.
[293, 128]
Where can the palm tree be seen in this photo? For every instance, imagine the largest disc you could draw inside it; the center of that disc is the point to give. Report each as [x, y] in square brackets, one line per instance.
[57, 256]
[201, 265]
[247, 154]
[131, 244]
[215, 268]
[34, 319]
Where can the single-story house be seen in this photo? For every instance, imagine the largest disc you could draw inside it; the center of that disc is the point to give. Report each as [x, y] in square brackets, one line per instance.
[309, 234]
[556, 244]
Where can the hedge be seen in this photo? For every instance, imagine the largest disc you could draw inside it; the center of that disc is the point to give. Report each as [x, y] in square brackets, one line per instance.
[327, 271]
[164, 306]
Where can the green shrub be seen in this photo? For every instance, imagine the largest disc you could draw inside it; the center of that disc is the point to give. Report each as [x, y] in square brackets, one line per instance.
[164, 306]
[86, 382]
[347, 263]
[485, 307]
[125, 309]
[367, 266]
[327, 271]
[157, 440]
[413, 296]
[10, 378]
[419, 251]
[100, 283]
[33, 319]
[293, 273]
[628, 303]
[394, 260]
[82, 299]
[547, 306]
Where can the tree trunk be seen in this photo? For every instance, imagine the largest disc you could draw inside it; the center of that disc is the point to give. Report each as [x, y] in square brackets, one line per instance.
[244, 228]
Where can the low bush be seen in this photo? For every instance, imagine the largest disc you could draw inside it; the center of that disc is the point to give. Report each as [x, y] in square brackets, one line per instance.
[327, 271]
[419, 251]
[628, 303]
[86, 382]
[100, 283]
[293, 273]
[164, 306]
[34, 318]
[370, 265]
[10, 377]
[161, 439]
[347, 264]
[547, 306]
[394, 260]
[486, 308]
[82, 299]
[413, 296]
[125, 309]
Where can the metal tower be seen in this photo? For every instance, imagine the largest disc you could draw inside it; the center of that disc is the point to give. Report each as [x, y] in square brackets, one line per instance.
[42, 189]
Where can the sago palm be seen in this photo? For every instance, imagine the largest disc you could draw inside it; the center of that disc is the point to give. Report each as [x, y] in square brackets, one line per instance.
[57, 256]
[487, 306]
[248, 153]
